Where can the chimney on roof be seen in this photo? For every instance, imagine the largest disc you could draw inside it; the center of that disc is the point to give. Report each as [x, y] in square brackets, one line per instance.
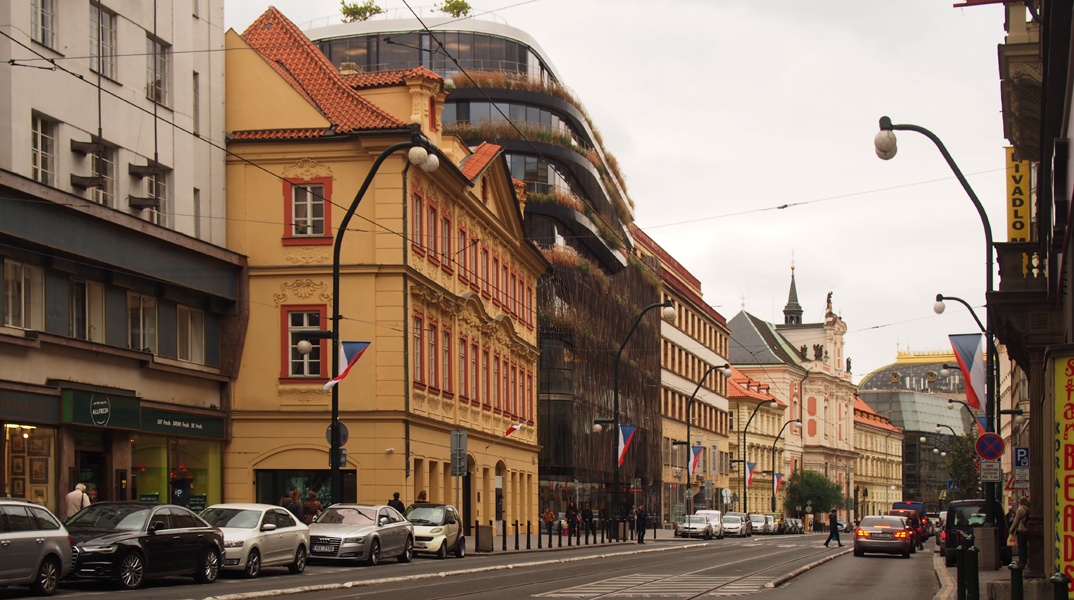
[349, 68]
[763, 388]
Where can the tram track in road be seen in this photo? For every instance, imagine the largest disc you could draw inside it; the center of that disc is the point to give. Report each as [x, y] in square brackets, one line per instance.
[622, 580]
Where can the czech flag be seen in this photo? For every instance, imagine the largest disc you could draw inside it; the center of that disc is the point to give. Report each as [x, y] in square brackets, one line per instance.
[750, 468]
[626, 435]
[779, 480]
[969, 351]
[982, 425]
[514, 428]
[349, 353]
[695, 458]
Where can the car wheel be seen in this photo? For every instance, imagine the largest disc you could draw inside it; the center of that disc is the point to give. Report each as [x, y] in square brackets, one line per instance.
[460, 547]
[209, 569]
[906, 554]
[948, 560]
[858, 552]
[131, 571]
[374, 553]
[48, 577]
[299, 563]
[408, 550]
[253, 564]
[441, 552]
[913, 549]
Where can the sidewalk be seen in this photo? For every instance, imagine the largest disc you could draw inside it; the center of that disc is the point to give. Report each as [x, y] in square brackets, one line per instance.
[999, 580]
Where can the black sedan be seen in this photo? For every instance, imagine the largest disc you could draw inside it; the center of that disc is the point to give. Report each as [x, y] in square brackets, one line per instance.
[129, 542]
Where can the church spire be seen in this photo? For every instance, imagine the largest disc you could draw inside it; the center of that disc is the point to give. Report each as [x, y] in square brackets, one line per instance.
[792, 312]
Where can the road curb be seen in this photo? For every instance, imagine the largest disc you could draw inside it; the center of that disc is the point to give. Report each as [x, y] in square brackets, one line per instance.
[947, 585]
[795, 573]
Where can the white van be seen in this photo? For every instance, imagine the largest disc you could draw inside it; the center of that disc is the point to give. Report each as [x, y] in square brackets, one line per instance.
[716, 519]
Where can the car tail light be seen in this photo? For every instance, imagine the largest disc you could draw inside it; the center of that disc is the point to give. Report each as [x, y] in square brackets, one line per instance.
[862, 533]
[900, 534]
[943, 535]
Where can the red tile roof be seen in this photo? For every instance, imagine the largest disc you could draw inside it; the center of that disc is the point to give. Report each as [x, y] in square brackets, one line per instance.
[865, 415]
[476, 162]
[742, 387]
[388, 78]
[300, 63]
[278, 134]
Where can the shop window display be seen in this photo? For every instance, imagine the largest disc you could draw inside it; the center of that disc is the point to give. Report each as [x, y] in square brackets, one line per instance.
[31, 468]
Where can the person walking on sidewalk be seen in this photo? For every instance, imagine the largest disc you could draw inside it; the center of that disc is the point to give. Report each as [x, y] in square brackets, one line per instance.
[833, 529]
[548, 517]
[641, 521]
[1018, 526]
[587, 522]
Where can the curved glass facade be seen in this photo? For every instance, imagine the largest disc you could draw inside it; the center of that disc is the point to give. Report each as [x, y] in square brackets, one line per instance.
[522, 115]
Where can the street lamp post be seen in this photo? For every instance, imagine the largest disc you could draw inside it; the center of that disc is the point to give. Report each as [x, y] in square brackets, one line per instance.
[419, 154]
[669, 315]
[742, 450]
[799, 422]
[725, 370]
[886, 148]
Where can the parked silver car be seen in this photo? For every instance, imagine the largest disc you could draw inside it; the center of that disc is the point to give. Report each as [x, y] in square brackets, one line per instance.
[259, 535]
[694, 526]
[34, 545]
[359, 532]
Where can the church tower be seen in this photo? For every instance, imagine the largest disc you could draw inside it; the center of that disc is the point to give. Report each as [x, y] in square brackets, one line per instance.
[792, 312]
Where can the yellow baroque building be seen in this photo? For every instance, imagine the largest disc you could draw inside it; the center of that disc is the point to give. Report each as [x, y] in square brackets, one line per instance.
[434, 274]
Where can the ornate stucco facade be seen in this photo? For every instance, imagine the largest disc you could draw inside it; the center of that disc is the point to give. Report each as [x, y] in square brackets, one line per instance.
[434, 274]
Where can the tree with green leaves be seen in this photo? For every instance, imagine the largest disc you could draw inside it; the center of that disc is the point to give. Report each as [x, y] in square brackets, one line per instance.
[962, 465]
[353, 11]
[455, 8]
[810, 488]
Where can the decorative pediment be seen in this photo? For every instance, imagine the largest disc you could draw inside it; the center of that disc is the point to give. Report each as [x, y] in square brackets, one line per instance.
[303, 289]
[307, 169]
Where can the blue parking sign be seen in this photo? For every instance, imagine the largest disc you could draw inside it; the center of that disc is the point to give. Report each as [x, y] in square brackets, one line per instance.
[1021, 456]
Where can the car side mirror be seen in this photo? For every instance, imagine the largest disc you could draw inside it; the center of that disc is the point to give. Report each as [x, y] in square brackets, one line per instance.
[157, 526]
[268, 527]
[384, 521]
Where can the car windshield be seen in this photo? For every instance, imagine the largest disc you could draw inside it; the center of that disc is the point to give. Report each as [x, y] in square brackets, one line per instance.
[732, 520]
[232, 517]
[875, 521]
[426, 515]
[757, 518]
[967, 515]
[347, 515]
[125, 517]
[695, 520]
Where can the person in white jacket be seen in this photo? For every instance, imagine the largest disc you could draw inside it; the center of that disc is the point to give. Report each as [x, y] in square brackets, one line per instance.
[77, 500]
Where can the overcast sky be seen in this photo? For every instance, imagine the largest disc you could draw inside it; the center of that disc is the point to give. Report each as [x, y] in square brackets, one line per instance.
[720, 111]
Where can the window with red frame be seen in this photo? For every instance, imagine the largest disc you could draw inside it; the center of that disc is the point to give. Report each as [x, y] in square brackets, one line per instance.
[432, 113]
[529, 304]
[297, 322]
[485, 271]
[485, 377]
[514, 389]
[512, 289]
[475, 379]
[505, 290]
[446, 257]
[416, 230]
[464, 366]
[419, 349]
[506, 385]
[445, 366]
[496, 289]
[473, 261]
[496, 398]
[528, 402]
[434, 356]
[432, 240]
[307, 208]
[463, 255]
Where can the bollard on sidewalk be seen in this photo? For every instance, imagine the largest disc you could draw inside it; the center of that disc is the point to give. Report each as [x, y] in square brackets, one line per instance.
[1017, 592]
[1060, 585]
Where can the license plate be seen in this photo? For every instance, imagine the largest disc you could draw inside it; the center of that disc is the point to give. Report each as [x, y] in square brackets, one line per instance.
[419, 544]
[882, 536]
[323, 549]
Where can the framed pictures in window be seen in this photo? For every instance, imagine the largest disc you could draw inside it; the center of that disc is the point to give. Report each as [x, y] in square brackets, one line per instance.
[18, 466]
[38, 470]
[18, 487]
[39, 446]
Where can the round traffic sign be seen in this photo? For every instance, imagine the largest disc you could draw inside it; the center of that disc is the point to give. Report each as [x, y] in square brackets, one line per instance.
[989, 446]
[344, 435]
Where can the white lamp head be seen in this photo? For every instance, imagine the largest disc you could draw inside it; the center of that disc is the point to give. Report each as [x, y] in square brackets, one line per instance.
[417, 155]
[939, 307]
[431, 164]
[669, 314]
[922, 439]
[597, 428]
[725, 370]
[304, 347]
[885, 144]
[774, 404]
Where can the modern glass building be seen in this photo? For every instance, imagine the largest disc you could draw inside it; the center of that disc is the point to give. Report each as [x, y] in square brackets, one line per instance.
[503, 89]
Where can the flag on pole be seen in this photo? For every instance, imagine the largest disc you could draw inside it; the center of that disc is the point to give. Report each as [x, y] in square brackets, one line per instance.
[779, 480]
[969, 351]
[349, 353]
[514, 428]
[695, 458]
[626, 435]
[750, 468]
[982, 425]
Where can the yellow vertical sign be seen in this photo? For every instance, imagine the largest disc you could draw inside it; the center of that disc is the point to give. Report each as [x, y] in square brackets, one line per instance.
[1063, 390]
[1017, 198]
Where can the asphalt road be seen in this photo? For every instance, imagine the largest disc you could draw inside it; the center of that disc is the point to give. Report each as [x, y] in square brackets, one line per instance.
[668, 568]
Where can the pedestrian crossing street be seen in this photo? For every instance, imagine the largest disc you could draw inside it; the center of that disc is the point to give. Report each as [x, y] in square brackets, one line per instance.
[641, 585]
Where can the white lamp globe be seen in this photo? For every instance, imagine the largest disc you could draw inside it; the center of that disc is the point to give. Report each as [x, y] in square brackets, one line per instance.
[431, 163]
[669, 314]
[417, 155]
[304, 347]
[885, 144]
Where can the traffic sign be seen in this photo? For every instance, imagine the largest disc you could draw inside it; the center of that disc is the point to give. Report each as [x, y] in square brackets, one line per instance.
[1014, 484]
[344, 435]
[991, 472]
[989, 446]
[952, 486]
[1021, 456]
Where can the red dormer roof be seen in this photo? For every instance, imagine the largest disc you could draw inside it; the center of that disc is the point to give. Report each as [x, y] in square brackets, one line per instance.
[481, 157]
[742, 387]
[283, 46]
[377, 79]
[867, 416]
